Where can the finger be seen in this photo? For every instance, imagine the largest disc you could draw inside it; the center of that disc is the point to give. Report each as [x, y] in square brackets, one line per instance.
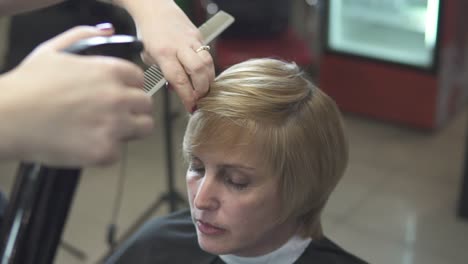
[147, 59]
[175, 74]
[209, 72]
[144, 125]
[112, 155]
[139, 102]
[121, 70]
[78, 33]
[131, 74]
[138, 126]
[199, 66]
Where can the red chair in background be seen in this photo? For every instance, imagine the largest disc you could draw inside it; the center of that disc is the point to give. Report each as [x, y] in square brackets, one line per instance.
[287, 46]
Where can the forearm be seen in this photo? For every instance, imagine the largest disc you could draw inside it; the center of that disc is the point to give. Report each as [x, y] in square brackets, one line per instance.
[138, 3]
[11, 7]
[142, 9]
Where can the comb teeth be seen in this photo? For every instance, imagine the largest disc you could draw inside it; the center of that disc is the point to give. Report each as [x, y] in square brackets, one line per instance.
[154, 80]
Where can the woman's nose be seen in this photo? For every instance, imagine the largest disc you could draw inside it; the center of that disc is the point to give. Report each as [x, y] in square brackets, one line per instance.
[206, 195]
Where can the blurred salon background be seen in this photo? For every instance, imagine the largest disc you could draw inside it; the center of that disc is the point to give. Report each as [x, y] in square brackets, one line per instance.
[398, 69]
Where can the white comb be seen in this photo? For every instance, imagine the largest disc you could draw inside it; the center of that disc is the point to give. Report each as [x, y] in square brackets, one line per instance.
[154, 78]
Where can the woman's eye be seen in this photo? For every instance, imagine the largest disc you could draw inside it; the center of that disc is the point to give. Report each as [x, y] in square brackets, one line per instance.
[235, 185]
[198, 170]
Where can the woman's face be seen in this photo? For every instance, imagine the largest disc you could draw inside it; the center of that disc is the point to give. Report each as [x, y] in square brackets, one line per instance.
[235, 202]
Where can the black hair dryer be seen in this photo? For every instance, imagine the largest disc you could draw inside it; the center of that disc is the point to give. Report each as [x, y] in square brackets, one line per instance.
[42, 196]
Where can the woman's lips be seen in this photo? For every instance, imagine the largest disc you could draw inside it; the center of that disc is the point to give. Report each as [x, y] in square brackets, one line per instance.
[208, 229]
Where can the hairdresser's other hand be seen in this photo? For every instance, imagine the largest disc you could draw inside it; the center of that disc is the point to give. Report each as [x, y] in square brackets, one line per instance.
[72, 110]
[171, 41]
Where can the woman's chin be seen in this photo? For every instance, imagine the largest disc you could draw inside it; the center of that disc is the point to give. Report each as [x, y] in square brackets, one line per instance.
[213, 247]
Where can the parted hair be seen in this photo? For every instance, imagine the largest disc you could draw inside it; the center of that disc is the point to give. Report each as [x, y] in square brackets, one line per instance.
[296, 129]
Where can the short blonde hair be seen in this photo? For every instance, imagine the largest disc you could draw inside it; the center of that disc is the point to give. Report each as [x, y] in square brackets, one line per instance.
[272, 105]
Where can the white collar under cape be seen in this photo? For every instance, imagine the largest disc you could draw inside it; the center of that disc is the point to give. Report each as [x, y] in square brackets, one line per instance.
[286, 254]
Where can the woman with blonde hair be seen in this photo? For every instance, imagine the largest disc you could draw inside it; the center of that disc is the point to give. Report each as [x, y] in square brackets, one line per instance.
[265, 150]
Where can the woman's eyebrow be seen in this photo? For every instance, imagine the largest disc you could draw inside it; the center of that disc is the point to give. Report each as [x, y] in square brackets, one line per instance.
[236, 166]
[224, 165]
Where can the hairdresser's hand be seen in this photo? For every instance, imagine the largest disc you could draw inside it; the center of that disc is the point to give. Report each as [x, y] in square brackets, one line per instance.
[71, 110]
[171, 41]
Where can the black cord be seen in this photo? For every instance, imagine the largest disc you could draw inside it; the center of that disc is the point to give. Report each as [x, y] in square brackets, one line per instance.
[112, 227]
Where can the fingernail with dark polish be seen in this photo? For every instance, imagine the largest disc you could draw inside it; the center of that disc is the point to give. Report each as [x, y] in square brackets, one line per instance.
[194, 108]
[105, 26]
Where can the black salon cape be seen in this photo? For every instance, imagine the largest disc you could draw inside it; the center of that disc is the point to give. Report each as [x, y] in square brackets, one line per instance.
[173, 240]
